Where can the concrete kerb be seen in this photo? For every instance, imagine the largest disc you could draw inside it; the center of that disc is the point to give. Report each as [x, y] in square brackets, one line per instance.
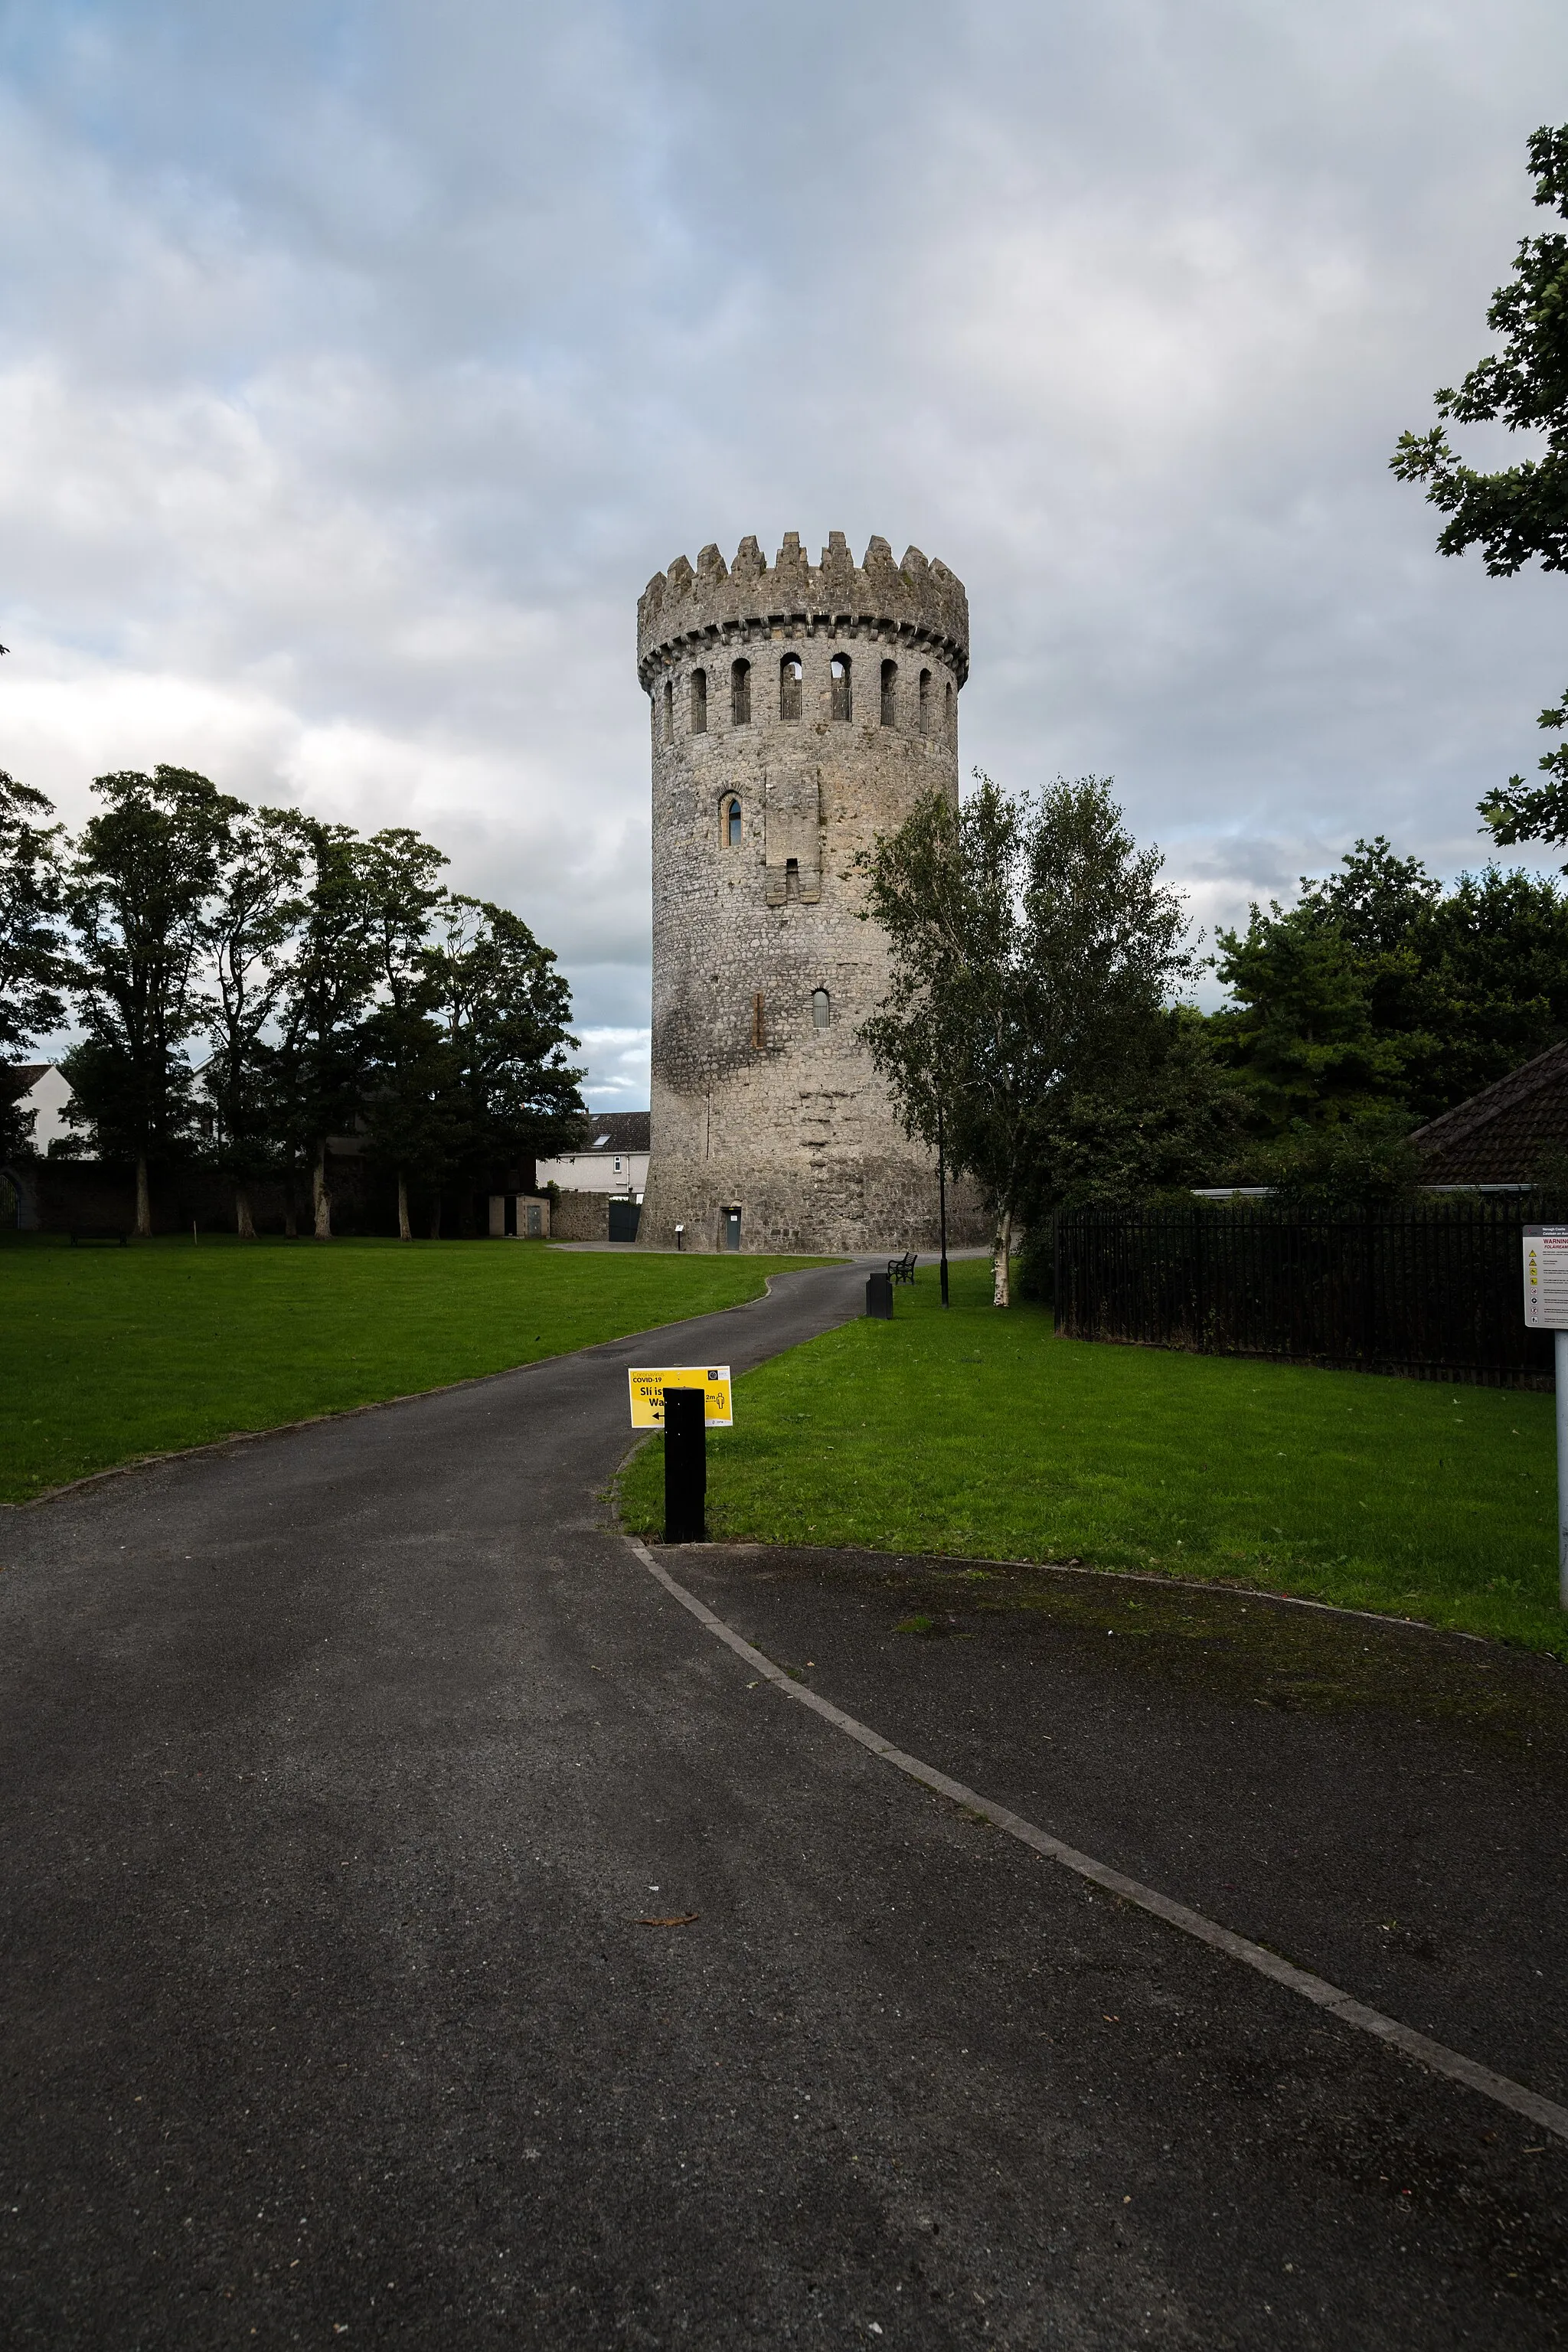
[1545, 2114]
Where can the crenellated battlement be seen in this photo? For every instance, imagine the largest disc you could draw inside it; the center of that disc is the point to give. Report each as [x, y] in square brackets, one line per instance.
[915, 602]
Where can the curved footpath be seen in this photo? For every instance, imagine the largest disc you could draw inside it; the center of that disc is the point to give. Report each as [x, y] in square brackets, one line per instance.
[353, 1781]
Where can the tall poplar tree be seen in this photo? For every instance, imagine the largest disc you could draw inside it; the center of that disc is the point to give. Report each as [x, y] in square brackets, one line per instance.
[146, 867]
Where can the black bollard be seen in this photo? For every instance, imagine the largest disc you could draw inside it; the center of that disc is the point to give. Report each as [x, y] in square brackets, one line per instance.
[879, 1296]
[685, 1467]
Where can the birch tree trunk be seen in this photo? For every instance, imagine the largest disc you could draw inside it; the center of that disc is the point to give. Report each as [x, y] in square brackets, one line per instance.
[324, 1198]
[404, 1231]
[144, 1201]
[244, 1222]
[1002, 1261]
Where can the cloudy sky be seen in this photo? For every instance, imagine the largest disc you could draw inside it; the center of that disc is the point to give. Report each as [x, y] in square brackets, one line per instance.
[359, 363]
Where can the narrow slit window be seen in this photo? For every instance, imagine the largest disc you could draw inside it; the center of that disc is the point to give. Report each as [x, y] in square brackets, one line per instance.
[730, 823]
[700, 703]
[740, 694]
[821, 1008]
[789, 687]
[890, 694]
[948, 712]
[759, 1032]
[843, 696]
[669, 710]
[792, 878]
[925, 702]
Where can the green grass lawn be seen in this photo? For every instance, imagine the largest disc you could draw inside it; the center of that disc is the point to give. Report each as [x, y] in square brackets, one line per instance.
[981, 1434]
[110, 1354]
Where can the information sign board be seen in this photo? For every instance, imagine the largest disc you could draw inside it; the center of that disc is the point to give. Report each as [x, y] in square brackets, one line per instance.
[648, 1383]
[1546, 1277]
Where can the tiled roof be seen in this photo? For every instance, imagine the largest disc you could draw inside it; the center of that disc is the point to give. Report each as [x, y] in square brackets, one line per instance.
[623, 1131]
[1496, 1136]
[19, 1078]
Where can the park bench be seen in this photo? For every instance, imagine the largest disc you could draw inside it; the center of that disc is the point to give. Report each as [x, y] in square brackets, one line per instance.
[81, 1234]
[902, 1269]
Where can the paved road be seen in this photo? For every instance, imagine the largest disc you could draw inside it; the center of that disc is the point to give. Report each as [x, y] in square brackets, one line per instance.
[338, 1772]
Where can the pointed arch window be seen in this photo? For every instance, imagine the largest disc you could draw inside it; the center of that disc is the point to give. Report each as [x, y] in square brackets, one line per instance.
[740, 694]
[890, 694]
[700, 703]
[843, 700]
[789, 687]
[729, 822]
[669, 710]
[925, 702]
[948, 713]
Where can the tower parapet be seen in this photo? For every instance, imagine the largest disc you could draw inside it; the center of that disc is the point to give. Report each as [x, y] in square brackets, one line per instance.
[917, 603]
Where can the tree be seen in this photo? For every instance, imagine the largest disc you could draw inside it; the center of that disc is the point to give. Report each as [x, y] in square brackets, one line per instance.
[1381, 995]
[136, 896]
[353, 986]
[504, 1012]
[1173, 1118]
[1320, 992]
[33, 964]
[414, 1110]
[1493, 953]
[1358, 1164]
[1519, 513]
[408, 1110]
[253, 915]
[1033, 953]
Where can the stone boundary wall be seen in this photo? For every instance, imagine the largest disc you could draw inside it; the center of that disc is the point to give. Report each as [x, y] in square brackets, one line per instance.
[581, 1217]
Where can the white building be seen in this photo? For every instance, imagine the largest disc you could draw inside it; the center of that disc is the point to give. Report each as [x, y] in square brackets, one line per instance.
[39, 1087]
[614, 1159]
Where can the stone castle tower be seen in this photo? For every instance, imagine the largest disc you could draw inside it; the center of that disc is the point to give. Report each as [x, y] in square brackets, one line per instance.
[797, 712]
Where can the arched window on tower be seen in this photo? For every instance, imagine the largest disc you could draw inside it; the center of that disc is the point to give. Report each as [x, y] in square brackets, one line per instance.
[925, 702]
[843, 697]
[948, 713]
[789, 687]
[729, 822]
[890, 694]
[700, 703]
[740, 694]
[821, 1008]
[669, 710]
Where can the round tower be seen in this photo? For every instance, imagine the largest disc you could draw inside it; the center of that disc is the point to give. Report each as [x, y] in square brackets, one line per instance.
[797, 712]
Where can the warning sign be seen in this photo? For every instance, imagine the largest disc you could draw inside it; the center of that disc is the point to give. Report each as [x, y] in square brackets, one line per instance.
[648, 1383]
[1546, 1277]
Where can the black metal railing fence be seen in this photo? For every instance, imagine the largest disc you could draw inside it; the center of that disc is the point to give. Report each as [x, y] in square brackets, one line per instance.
[1432, 1292]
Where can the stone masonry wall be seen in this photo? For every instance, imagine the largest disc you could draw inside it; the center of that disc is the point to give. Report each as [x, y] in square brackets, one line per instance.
[767, 782]
[581, 1217]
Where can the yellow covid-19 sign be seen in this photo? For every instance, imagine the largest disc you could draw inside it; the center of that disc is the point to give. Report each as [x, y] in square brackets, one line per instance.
[650, 1381]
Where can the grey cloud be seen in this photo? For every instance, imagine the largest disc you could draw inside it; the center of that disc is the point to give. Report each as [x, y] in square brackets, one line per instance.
[358, 368]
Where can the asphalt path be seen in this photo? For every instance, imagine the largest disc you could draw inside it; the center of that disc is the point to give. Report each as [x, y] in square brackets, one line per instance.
[342, 1774]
